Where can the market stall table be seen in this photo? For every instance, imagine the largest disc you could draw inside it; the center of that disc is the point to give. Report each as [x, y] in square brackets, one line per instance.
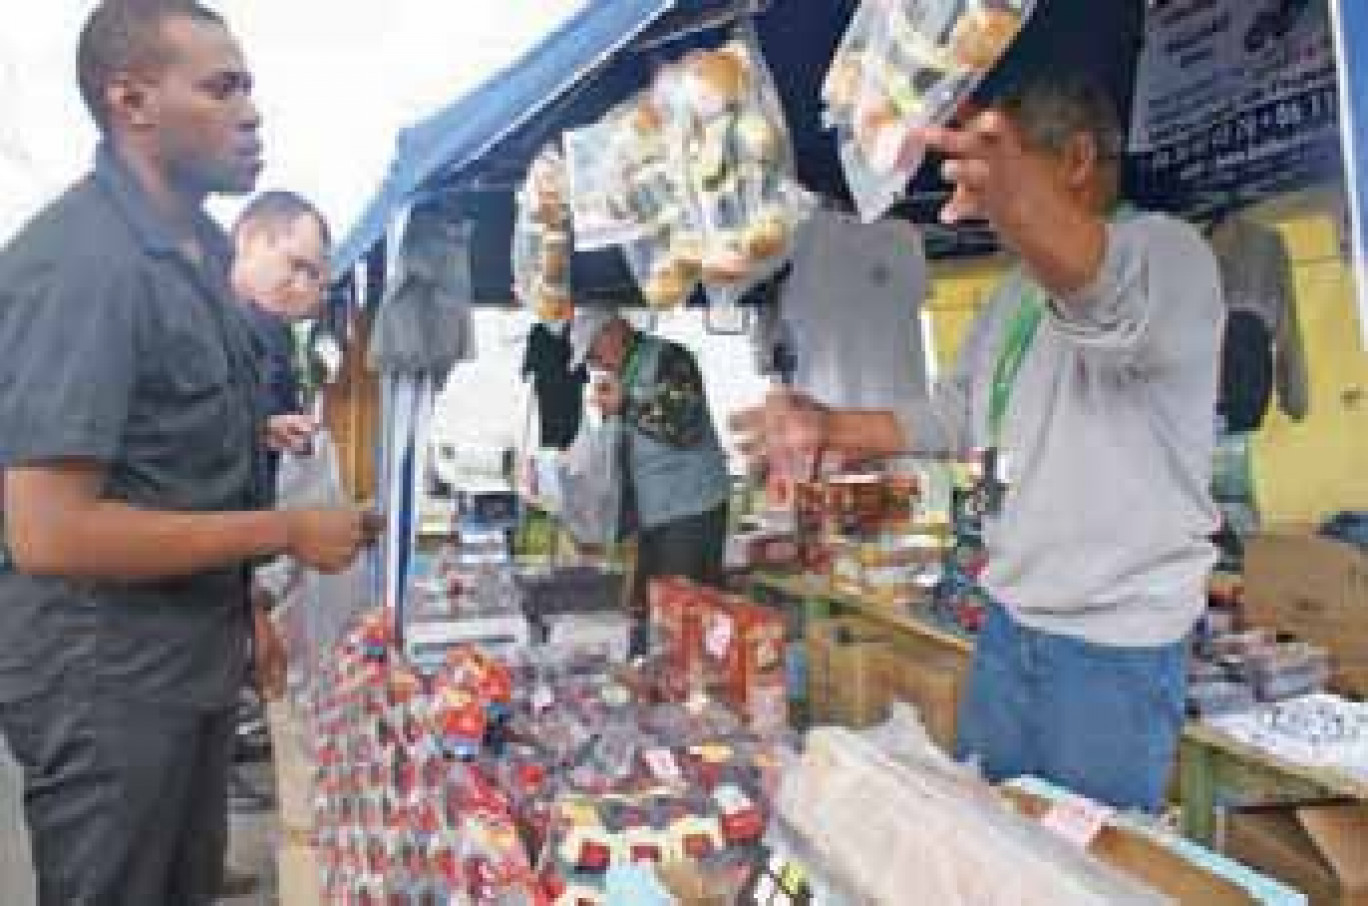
[1214, 770]
[1218, 771]
[818, 598]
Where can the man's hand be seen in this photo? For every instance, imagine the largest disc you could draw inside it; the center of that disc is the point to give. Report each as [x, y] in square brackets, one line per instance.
[607, 395]
[290, 433]
[787, 425]
[1033, 200]
[269, 655]
[328, 540]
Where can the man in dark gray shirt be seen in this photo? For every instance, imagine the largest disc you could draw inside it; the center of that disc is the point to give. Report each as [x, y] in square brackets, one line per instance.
[130, 427]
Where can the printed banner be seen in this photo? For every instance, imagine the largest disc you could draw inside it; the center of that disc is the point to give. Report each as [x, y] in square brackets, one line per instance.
[1235, 100]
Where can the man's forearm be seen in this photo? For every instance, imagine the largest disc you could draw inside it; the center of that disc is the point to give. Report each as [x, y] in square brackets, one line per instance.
[865, 432]
[112, 541]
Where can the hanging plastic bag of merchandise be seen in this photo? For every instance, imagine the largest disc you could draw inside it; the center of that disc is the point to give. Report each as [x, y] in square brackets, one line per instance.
[667, 266]
[904, 65]
[738, 164]
[621, 180]
[316, 609]
[542, 243]
[591, 485]
[666, 258]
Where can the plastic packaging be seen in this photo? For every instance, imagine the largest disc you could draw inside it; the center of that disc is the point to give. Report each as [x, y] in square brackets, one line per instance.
[693, 177]
[1214, 697]
[542, 243]
[738, 165]
[896, 823]
[591, 485]
[619, 178]
[667, 265]
[903, 65]
[323, 607]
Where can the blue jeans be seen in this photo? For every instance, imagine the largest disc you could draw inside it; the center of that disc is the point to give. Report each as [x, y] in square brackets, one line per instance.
[1099, 720]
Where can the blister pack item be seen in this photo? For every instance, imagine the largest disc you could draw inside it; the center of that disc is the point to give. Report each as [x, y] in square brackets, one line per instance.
[542, 243]
[738, 165]
[903, 65]
[1215, 697]
[619, 178]
[666, 265]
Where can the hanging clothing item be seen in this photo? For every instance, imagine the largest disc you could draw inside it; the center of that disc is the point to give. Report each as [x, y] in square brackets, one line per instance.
[559, 387]
[1263, 345]
[425, 324]
[847, 322]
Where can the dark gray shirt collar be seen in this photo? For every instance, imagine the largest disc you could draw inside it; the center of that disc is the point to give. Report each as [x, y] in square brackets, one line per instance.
[148, 225]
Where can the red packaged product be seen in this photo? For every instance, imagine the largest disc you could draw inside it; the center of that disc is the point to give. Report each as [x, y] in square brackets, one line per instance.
[677, 614]
[742, 820]
[744, 646]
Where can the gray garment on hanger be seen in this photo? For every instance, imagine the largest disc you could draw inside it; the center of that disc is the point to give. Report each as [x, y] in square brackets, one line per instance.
[1256, 276]
[849, 313]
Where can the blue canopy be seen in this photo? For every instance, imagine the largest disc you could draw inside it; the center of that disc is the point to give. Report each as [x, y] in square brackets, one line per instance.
[470, 156]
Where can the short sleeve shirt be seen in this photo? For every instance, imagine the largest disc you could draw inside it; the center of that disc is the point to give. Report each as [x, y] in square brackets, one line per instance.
[115, 347]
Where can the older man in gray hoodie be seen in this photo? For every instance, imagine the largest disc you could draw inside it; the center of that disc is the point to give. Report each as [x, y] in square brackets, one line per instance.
[1088, 384]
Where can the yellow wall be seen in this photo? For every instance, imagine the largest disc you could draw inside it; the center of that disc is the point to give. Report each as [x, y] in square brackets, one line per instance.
[1304, 471]
[1301, 471]
[958, 292]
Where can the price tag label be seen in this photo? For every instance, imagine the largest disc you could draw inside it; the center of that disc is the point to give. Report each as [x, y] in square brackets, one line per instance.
[719, 639]
[1077, 820]
[662, 764]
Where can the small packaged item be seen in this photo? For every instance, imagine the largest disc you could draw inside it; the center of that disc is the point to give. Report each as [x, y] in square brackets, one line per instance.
[738, 166]
[542, 242]
[1216, 697]
[667, 266]
[742, 820]
[903, 65]
[619, 177]
[1287, 670]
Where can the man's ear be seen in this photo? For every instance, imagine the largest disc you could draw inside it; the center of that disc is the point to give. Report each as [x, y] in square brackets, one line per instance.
[132, 100]
[1082, 159]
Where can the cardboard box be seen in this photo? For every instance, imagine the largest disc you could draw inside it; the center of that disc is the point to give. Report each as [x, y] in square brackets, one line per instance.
[1315, 589]
[1149, 861]
[845, 685]
[930, 683]
[1322, 851]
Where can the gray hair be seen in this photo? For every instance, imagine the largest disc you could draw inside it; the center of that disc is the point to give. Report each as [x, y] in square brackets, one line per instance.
[279, 209]
[1052, 109]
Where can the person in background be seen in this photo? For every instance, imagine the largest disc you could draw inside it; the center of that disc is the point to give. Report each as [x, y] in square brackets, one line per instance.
[1087, 385]
[136, 498]
[676, 486]
[280, 273]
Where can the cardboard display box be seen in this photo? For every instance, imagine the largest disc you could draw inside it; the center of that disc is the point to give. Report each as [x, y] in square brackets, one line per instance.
[1322, 851]
[844, 659]
[1315, 589]
[931, 683]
